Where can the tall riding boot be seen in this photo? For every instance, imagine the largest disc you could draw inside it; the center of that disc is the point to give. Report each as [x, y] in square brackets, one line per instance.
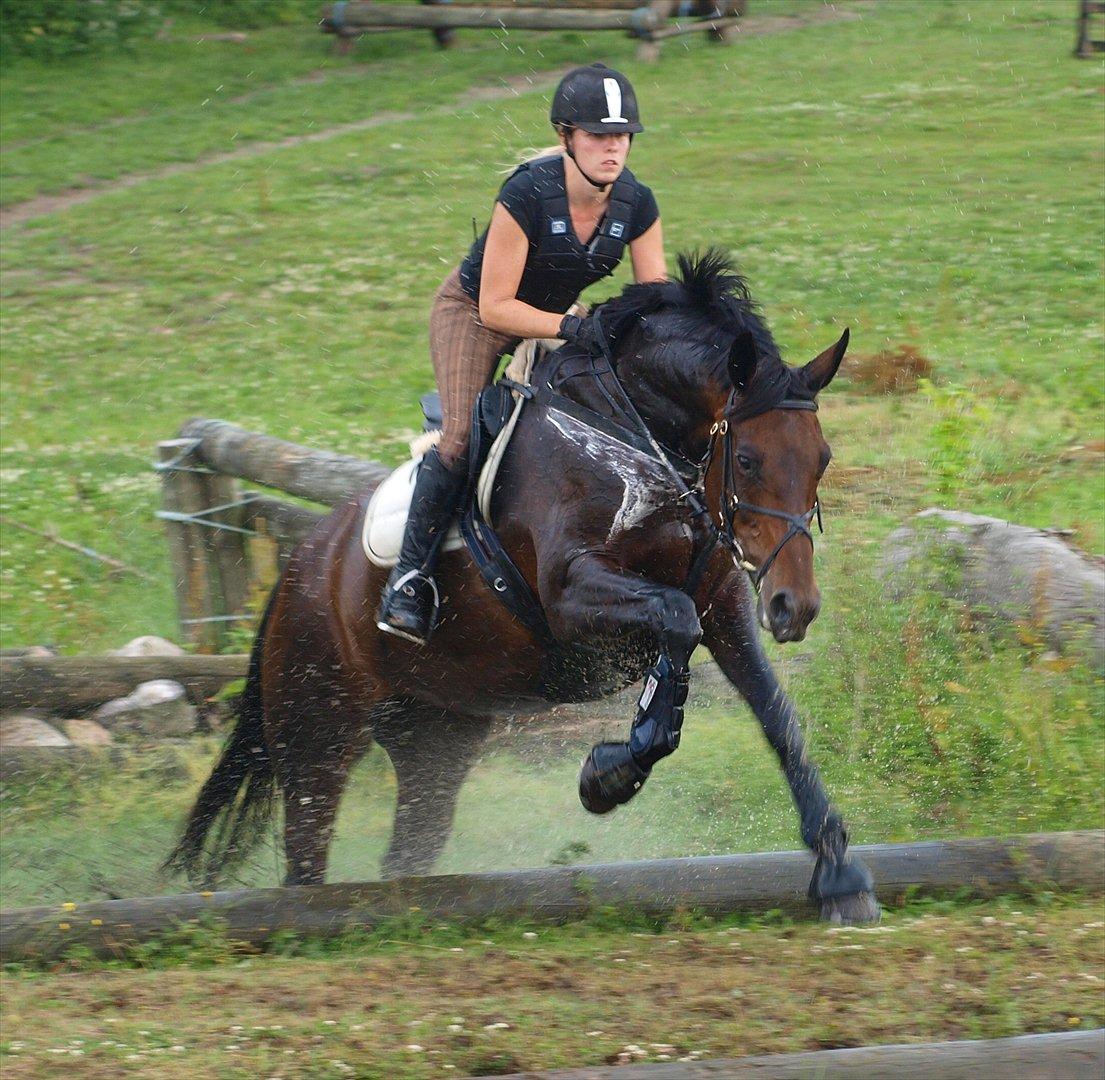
[410, 603]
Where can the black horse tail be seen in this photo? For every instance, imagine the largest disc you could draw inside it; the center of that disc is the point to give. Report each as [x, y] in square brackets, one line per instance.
[235, 803]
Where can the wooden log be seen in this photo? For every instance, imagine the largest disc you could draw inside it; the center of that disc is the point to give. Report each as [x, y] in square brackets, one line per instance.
[694, 26]
[724, 883]
[182, 498]
[280, 520]
[360, 13]
[70, 684]
[310, 474]
[1069, 1055]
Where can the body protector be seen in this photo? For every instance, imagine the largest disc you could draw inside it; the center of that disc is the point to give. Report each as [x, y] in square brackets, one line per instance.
[558, 267]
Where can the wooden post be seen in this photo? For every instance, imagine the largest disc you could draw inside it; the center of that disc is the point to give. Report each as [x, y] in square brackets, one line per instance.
[1085, 45]
[182, 496]
[445, 36]
[227, 551]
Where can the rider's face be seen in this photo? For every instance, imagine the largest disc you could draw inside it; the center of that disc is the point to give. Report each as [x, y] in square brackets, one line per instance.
[601, 156]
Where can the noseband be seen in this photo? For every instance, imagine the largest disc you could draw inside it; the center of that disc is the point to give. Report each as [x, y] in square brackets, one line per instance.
[731, 503]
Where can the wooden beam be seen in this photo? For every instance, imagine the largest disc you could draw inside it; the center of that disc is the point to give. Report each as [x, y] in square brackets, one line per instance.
[359, 13]
[310, 474]
[715, 883]
[79, 683]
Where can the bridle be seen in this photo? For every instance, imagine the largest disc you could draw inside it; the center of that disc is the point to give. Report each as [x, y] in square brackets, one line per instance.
[695, 497]
[731, 503]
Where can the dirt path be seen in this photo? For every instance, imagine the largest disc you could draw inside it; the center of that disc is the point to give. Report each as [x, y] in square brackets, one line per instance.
[42, 205]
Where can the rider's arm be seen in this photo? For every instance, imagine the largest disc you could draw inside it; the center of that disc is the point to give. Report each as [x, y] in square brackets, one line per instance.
[647, 253]
[504, 259]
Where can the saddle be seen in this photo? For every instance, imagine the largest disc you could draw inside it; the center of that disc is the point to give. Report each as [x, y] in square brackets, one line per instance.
[494, 419]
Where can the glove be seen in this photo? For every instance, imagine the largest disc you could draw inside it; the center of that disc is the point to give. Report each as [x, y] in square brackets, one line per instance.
[581, 332]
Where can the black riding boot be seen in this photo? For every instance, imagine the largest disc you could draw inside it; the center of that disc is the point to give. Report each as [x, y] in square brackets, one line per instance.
[410, 604]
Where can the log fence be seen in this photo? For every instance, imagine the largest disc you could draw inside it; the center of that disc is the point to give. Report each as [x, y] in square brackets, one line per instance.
[649, 22]
[228, 543]
[1087, 44]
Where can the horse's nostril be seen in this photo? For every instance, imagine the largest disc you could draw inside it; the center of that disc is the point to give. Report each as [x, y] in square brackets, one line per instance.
[781, 608]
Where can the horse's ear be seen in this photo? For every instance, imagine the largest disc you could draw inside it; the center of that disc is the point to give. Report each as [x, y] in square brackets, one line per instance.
[742, 359]
[820, 370]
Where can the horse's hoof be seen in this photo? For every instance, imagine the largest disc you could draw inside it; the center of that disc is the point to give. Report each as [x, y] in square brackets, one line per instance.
[856, 909]
[609, 777]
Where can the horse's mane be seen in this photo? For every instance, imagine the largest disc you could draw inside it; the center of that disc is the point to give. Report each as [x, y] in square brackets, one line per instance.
[705, 308]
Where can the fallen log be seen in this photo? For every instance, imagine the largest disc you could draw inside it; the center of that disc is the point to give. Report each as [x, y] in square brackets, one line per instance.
[721, 883]
[1071, 1055]
[318, 475]
[71, 684]
[358, 14]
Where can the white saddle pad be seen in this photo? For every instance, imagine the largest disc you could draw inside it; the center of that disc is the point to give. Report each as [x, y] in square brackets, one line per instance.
[386, 516]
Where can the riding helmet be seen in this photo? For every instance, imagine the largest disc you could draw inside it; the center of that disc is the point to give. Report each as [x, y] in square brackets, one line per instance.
[597, 99]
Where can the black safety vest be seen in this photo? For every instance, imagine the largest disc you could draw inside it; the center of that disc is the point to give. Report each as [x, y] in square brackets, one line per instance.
[558, 267]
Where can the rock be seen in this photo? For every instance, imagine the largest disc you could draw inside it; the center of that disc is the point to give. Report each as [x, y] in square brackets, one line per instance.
[159, 708]
[87, 733]
[149, 645]
[1012, 572]
[27, 729]
[29, 745]
[34, 652]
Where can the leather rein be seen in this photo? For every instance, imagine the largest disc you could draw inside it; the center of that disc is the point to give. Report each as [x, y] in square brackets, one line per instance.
[731, 503]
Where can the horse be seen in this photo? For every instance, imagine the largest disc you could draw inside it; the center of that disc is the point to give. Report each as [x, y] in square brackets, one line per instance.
[657, 493]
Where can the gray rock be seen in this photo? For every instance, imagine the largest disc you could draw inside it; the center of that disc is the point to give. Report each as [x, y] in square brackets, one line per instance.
[149, 645]
[1012, 572]
[29, 745]
[159, 708]
[28, 730]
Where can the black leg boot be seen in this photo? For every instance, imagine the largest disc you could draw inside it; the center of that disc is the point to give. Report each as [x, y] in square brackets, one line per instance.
[410, 604]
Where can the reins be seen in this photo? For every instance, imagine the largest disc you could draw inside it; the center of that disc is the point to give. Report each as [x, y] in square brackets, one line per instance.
[695, 497]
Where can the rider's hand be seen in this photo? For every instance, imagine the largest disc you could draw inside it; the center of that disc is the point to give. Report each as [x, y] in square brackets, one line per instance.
[581, 332]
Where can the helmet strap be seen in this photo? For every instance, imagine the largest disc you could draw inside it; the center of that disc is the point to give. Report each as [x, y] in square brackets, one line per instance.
[568, 150]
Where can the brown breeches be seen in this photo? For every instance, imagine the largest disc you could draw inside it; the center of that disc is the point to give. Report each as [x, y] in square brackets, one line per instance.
[465, 355]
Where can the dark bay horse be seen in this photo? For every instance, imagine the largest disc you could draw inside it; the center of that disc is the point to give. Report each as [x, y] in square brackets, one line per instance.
[643, 526]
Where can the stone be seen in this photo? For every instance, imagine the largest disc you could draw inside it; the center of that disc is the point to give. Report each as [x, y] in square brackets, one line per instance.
[149, 645]
[159, 708]
[1013, 573]
[87, 734]
[29, 745]
[28, 729]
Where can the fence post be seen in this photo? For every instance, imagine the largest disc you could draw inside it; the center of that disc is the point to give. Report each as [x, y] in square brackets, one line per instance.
[202, 512]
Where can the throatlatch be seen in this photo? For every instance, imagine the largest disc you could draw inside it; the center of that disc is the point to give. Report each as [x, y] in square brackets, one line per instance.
[614, 772]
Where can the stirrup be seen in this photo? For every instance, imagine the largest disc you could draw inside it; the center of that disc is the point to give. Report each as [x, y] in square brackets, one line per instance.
[410, 607]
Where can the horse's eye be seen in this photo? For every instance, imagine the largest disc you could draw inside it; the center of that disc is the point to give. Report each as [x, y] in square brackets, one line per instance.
[745, 462]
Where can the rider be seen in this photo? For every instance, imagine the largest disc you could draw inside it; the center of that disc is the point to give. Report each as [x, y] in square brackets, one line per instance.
[560, 223]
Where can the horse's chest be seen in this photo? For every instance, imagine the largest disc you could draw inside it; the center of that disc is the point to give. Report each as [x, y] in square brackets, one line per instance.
[627, 487]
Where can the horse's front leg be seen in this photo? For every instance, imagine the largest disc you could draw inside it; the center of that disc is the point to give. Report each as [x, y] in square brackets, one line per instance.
[597, 600]
[841, 884]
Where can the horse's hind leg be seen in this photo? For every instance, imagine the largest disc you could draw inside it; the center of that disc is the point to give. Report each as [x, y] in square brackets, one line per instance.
[432, 752]
[314, 757]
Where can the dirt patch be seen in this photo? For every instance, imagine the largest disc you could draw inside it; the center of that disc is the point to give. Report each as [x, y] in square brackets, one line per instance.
[893, 371]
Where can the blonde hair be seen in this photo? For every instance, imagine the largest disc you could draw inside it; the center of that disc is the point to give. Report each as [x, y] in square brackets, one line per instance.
[532, 154]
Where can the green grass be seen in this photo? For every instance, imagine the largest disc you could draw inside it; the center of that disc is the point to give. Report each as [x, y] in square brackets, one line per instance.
[929, 173]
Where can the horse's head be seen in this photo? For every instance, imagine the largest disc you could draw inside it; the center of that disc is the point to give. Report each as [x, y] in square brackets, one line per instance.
[705, 373]
[773, 456]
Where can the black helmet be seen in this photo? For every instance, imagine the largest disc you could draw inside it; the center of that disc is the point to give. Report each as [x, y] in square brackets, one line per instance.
[597, 99]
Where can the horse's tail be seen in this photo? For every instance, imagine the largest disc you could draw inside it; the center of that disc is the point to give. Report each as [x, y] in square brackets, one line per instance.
[235, 803]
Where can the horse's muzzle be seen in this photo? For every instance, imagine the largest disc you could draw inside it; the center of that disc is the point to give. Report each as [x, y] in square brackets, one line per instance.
[785, 617]
[609, 777]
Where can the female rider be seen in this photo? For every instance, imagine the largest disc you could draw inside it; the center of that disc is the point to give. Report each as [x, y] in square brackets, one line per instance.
[560, 223]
